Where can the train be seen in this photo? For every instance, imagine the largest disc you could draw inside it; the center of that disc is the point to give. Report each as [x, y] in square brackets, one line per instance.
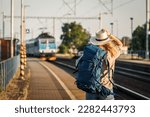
[44, 47]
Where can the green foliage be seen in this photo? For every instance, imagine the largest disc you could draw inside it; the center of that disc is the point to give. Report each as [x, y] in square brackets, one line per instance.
[63, 49]
[139, 38]
[73, 35]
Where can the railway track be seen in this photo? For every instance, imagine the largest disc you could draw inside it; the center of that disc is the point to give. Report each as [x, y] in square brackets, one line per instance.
[123, 84]
[136, 74]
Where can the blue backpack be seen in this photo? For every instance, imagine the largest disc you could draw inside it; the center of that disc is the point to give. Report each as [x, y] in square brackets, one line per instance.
[89, 70]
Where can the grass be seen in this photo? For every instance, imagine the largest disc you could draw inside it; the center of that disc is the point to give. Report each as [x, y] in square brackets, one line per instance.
[16, 88]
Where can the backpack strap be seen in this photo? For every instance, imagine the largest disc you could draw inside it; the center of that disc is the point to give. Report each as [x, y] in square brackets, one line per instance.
[108, 67]
[77, 63]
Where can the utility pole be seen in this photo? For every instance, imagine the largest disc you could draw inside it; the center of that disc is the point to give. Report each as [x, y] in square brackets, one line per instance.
[21, 30]
[75, 2]
[12, 27]
[24, 23]
[22, 45]
[3, 27]
[131, 18]
[147, 29]
[101, 19]
[54, 27]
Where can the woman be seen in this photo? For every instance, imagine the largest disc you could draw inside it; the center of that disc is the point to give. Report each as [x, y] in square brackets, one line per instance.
[112, 45]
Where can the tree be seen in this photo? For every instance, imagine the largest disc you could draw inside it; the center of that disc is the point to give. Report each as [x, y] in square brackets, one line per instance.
[139, 38]
[63, 49]
[74, 35]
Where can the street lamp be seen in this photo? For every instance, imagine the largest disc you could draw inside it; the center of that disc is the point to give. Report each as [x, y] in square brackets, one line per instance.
[131, 18]
[12, 27]
[111, 24]
[3, 25]
[131, 31]
[147, 30]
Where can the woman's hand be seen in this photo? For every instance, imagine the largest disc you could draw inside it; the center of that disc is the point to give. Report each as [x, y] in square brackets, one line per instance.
[108, 33]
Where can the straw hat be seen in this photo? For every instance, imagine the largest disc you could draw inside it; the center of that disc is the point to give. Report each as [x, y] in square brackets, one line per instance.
[101, 38]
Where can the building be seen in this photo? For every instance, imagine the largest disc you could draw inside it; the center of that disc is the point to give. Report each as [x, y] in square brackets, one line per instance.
[5, 48]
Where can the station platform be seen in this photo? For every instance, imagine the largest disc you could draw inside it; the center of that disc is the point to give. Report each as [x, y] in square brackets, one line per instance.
[126, 58]
[43, 85]
[129, 58]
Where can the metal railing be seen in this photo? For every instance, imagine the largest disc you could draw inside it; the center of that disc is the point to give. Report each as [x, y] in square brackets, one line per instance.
[8, 68]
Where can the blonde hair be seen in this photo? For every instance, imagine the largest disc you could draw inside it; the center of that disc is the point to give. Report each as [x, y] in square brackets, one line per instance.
[111, 47]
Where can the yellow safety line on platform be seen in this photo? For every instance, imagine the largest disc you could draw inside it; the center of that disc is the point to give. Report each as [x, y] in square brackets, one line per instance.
[61, 82]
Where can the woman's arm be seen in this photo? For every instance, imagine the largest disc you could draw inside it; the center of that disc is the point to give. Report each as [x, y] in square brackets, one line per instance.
[116, 40]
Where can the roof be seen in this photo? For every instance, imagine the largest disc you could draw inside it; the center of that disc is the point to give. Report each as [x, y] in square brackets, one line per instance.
[45, 35]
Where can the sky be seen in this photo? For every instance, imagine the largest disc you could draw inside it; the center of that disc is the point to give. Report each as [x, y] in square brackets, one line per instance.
[122, 11]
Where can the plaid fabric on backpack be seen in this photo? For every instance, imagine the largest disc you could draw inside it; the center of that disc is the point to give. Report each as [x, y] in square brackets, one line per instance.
[89, 70]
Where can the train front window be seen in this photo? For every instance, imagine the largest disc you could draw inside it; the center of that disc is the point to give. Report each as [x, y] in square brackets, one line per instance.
[52, 46]
[43, 44]
[51, 41]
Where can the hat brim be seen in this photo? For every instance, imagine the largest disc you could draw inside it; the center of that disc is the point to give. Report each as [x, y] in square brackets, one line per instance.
[95, 42]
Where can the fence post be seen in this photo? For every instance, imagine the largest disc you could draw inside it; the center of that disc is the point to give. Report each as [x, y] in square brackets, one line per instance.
[8, 69]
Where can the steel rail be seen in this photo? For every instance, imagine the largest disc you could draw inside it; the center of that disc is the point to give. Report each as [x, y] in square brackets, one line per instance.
[128, 91]
[134, 76]
[127, 69]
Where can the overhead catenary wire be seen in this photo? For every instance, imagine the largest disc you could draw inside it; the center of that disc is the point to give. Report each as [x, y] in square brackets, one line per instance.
[105, 6]
[68, 6]
[79, 2]
[123, 4]
[65, 3]
[42, 17]
[60, 8]
[113, 8]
